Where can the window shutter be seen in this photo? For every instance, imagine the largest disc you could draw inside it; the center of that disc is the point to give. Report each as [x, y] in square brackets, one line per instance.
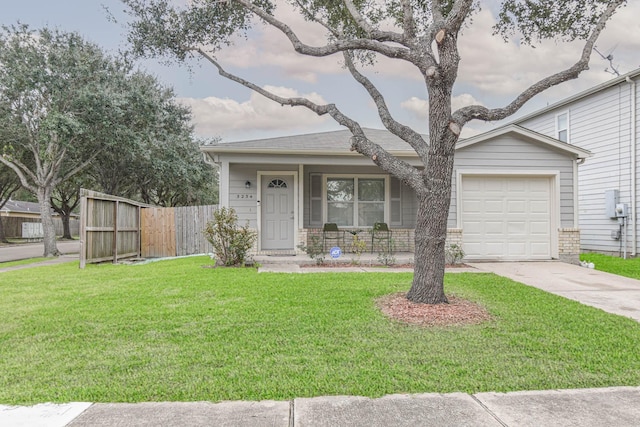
[315, 199]
[396, 201]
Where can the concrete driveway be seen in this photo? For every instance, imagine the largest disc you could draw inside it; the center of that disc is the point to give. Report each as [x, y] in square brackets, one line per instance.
[609, 292]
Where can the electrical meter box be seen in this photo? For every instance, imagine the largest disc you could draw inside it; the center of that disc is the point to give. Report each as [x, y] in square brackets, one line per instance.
[611, 199]
[622, 210]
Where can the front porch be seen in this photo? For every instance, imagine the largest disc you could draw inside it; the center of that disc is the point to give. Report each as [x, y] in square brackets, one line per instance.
[366, 259]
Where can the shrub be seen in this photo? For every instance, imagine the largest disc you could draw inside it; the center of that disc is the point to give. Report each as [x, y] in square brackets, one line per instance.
[385, 254]
[314, 249]
[453, 253]
[231, 243]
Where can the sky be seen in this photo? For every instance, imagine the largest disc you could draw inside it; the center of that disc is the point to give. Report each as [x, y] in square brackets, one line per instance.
[491, 72]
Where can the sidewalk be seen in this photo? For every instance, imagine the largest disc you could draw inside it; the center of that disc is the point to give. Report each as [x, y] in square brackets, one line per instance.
[615, 406]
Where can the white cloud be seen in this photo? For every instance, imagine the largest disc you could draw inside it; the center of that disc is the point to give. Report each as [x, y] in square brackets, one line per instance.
[419, 107]
[224, 117]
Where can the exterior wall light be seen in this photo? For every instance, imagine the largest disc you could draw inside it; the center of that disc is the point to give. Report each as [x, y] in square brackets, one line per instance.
[247, 184]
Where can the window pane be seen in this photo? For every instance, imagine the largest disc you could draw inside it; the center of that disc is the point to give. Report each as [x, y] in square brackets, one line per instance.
[341, 213]
[371, 189]
[562, 121]
[339, 190]
[370, 213]
[562, 135]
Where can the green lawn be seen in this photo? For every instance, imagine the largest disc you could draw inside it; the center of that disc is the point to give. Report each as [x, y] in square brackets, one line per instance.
[174, 331]
[21, 262]
[624, 267]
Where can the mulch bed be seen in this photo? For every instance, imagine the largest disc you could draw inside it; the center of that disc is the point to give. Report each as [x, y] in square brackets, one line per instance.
[457, 313]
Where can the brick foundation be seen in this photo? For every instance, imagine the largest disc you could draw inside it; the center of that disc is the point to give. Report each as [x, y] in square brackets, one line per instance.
[569, 245]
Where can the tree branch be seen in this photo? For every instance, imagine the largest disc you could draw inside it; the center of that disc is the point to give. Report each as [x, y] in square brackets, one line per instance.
[408, 19]
[18, 167]
[466, 114]
[360, 142]
[407, 134]
[374, 45]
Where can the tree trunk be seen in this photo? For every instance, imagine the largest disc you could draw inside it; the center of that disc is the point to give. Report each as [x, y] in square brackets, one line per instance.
[431, 233]
[48, 229]
[3, 237]
[66, 228]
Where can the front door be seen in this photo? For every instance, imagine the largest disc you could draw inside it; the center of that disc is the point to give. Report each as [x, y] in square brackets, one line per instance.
[277, 213]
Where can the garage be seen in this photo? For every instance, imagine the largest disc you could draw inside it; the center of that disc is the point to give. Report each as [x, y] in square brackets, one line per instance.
[506, 217]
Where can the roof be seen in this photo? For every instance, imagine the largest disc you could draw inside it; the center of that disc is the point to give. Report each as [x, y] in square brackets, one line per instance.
[21, 207]
[17, 206]
[602, 86]
[338, 143]
[333, 143]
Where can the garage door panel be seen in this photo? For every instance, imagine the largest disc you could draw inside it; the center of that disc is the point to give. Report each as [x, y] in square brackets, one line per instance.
[517, 227]
[517, 249]
[516, 186]
[539, 227]
[495, 249]
[506, 217]
[493, 206]
[516, 206]
[540, 249]
[539, 206]
[472, 206]
[493, 227]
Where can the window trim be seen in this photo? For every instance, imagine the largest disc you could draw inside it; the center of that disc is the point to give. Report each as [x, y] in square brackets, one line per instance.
[558, 129]
[356, 177]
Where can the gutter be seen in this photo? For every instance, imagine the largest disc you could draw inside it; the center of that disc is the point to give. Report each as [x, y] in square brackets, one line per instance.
[634, 167]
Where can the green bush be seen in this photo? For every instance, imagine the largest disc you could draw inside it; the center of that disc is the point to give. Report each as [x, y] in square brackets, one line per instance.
[231, 243]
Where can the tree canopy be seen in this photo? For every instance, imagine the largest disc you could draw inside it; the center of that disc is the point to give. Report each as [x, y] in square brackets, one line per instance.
[422, 33]
[64, 102]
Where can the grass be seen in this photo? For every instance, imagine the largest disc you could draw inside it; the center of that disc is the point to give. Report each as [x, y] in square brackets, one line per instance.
[174, 331]
[22, 262]
[624, 267]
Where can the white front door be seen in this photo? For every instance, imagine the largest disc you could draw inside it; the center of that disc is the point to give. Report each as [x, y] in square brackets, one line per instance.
[277, 228]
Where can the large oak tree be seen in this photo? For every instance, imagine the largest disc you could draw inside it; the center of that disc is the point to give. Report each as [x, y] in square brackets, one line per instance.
[422, 33]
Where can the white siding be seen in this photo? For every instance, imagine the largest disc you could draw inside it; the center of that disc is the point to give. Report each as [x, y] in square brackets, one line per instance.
[601, 123]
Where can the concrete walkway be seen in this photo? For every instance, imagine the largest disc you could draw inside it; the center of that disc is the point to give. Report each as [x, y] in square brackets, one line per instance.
[616, 406]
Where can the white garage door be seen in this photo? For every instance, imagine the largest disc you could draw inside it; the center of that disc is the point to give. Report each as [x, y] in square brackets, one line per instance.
[506, 218]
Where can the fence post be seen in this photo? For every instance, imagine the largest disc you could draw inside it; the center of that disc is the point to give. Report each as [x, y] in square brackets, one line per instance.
[83, 227]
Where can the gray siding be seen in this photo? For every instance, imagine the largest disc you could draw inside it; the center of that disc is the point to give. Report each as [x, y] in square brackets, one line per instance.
[601, 123]
[506, 153]
[244, 200]
[501, 153]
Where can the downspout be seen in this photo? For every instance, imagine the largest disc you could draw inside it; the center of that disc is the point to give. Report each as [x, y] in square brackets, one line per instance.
[634, 169]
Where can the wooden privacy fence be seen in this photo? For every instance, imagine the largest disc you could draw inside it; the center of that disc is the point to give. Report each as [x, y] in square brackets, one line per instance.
[113, 228]
[175, 231]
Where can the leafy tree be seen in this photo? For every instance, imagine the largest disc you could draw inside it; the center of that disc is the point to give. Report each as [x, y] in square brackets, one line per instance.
[65, 199]
[9, 184]
[60, 100]
[423, 34]
[158, 162]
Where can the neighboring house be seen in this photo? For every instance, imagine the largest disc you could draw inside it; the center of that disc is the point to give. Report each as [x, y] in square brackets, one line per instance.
[18, 209]
[603, 120]
[15, 213]
[513, 192]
